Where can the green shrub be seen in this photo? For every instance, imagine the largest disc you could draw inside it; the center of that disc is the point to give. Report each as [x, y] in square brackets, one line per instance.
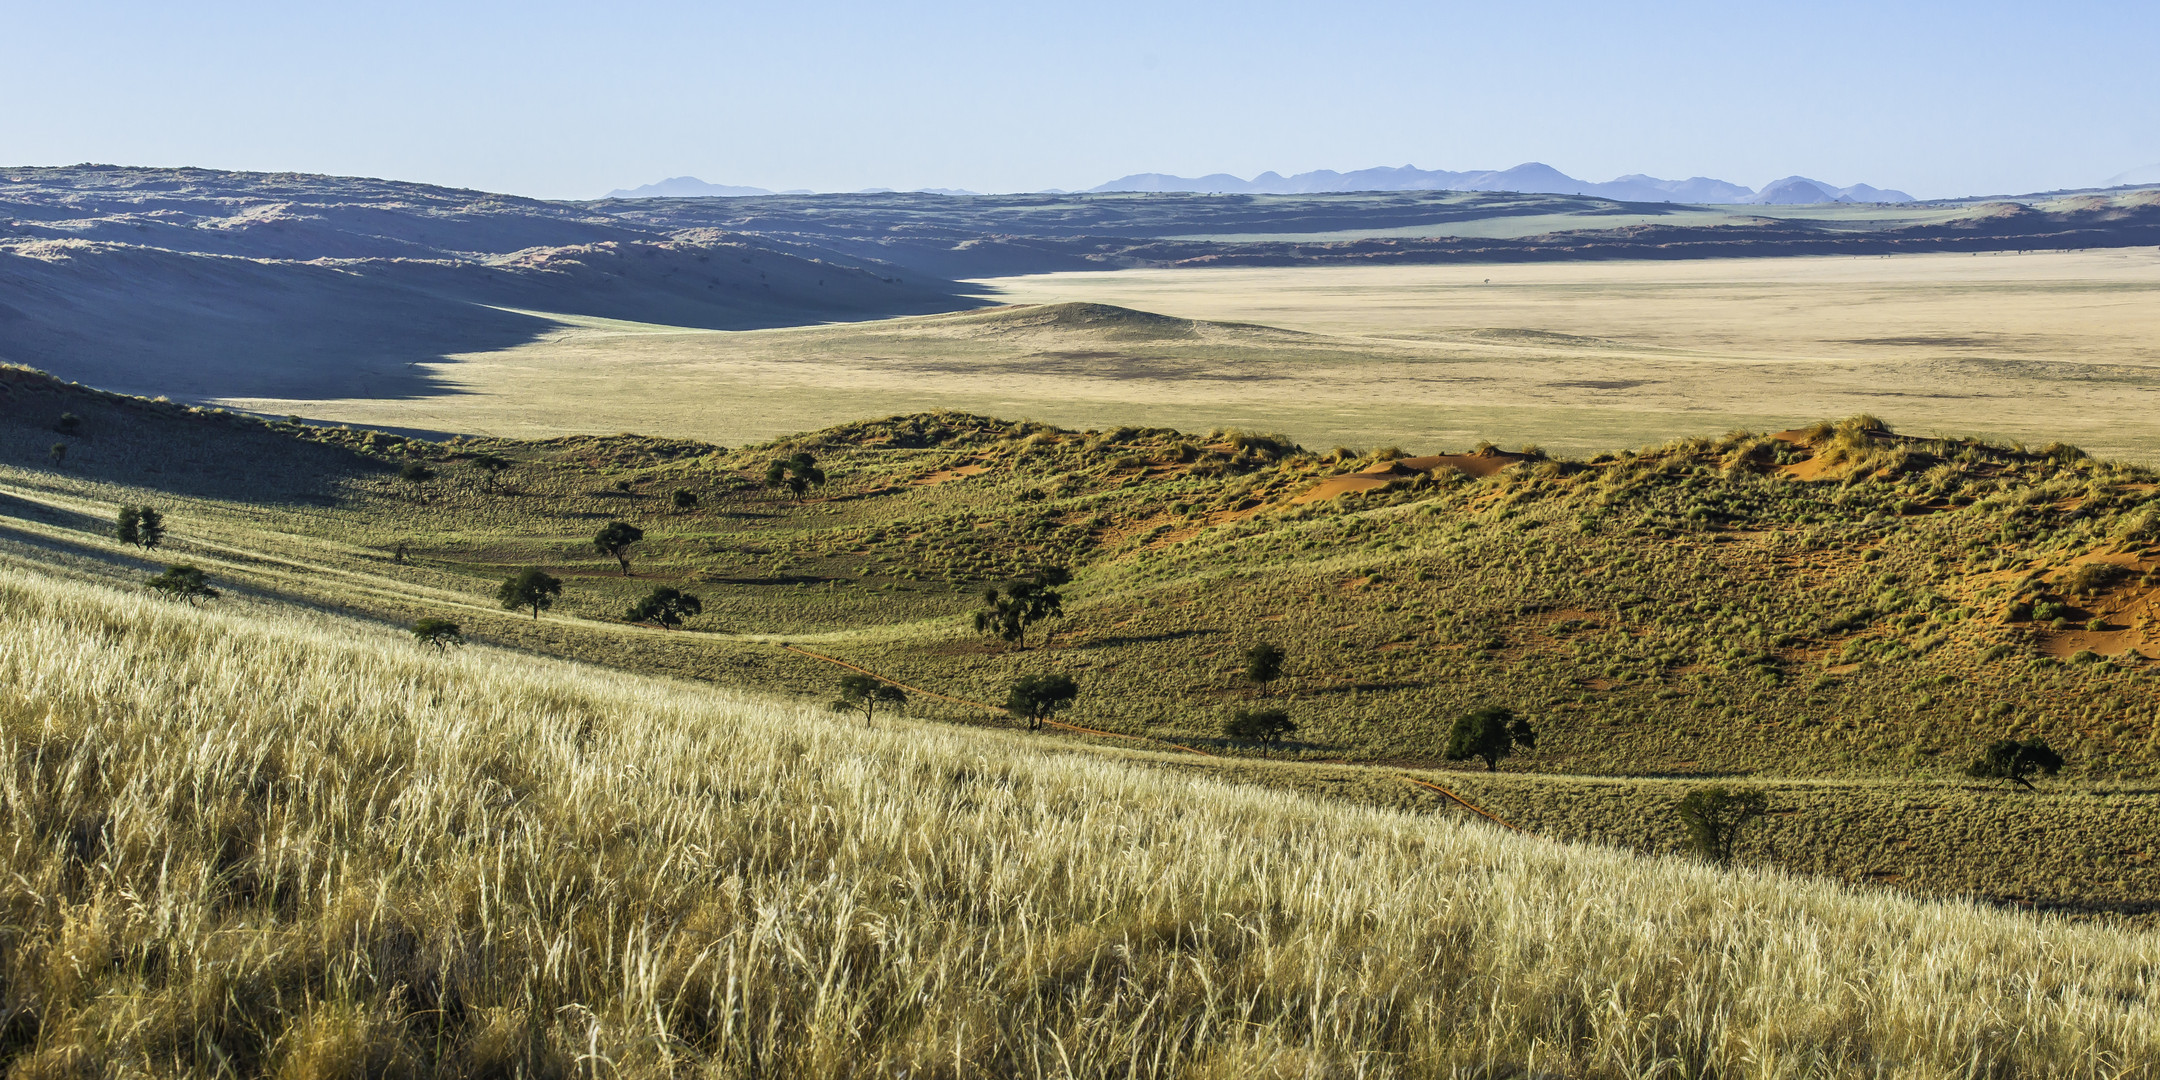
[1715, 816]
[1489, 734]
[182, 582]
[1266, 726]
[2009, 759]
[439, 633]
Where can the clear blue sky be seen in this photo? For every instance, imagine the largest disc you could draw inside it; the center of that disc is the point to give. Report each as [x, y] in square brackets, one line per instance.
[570, 100]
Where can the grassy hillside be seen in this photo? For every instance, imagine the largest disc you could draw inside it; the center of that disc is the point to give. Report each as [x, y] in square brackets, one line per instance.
[1841, 612]
[249, 841]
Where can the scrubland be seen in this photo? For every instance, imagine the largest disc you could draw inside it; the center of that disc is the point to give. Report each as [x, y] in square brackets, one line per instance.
[250, 841]
[1839, 614]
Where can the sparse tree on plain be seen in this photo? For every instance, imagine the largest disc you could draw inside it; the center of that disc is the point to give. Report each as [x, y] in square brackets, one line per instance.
[492, 466]
[1263, 664]
[68, 424]
[58, 453]
[1034, 698]
[416, 473]
[1715, 816]
[666, 607]
[140, 526]
[615, 539]
[532, 588]
[441, 634]
[863, 694]
[1489, 734]
[1264, 726]
[184, 583]
[684, 499]
[1007, 614]
[2017, 762]
[798, 474]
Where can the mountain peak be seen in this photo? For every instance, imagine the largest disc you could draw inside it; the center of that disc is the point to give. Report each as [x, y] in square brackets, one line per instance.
[685, 187]
[1530, 177]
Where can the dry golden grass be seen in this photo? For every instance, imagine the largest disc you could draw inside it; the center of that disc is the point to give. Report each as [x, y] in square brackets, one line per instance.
[1576, 357]
[248, 841]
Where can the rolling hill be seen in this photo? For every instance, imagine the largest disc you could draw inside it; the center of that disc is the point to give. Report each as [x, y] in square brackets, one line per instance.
[1839, 615]
[206, 284]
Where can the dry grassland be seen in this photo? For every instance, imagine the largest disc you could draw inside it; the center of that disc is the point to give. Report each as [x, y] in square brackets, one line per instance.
[246, 841]
[1576, 357]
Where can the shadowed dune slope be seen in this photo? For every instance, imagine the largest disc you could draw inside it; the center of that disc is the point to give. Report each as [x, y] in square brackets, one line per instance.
[202, 284]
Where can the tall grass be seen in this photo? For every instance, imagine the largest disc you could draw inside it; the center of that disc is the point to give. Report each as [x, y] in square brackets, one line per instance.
[251, 842]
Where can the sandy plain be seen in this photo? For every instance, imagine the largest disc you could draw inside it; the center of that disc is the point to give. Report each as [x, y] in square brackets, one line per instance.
[1572, 356]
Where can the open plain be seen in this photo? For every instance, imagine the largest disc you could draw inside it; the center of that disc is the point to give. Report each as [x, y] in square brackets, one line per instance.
[1575, 357]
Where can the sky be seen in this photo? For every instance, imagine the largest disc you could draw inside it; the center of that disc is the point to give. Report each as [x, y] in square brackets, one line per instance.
[571, 100]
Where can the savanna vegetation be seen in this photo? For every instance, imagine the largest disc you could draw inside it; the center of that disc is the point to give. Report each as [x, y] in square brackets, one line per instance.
[251, 840]
[1840, 616]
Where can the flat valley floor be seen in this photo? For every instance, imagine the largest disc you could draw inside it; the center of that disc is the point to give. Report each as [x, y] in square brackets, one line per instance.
[1574, 357]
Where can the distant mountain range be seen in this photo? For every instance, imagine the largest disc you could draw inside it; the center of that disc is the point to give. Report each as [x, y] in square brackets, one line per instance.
[690, 187]
[1530, 177]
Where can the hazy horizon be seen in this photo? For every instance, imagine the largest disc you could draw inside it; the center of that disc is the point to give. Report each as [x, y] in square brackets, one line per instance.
[546, 100]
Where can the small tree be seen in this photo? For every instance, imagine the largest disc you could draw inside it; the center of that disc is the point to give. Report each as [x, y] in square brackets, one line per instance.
[615, 539]
[666, 607]
[68, 424]
[798, 474]
[149, 527]
[1035, 697]
[2009, 759]
[440, 633]
[1263, 664]
[1266, 726]
[1030, 600]
[416, 473]
[1491, 734]
[127, 528]
[58, 453]
[492, 466]
[184, 583]
[864, 693]
[532, 588]
[684, 499]
[1714, 817]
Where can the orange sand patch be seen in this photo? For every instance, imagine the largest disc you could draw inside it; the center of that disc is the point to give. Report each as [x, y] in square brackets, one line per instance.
[1810, 469]
[2130, 611]
[960, 472]
[1383, 473]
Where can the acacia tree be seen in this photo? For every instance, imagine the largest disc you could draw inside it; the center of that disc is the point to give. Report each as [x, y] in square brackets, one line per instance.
[666, 607]
[1490, 734]
[441, 634]
[184, 583]
[1035, 697]
[1007, 614]
[2017, 762]
[532, 588]
[493, 466]
[615, 539]
[1265, 726]
[798, 474]
[1263, 664]
[1714, 816]
[864, 693]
